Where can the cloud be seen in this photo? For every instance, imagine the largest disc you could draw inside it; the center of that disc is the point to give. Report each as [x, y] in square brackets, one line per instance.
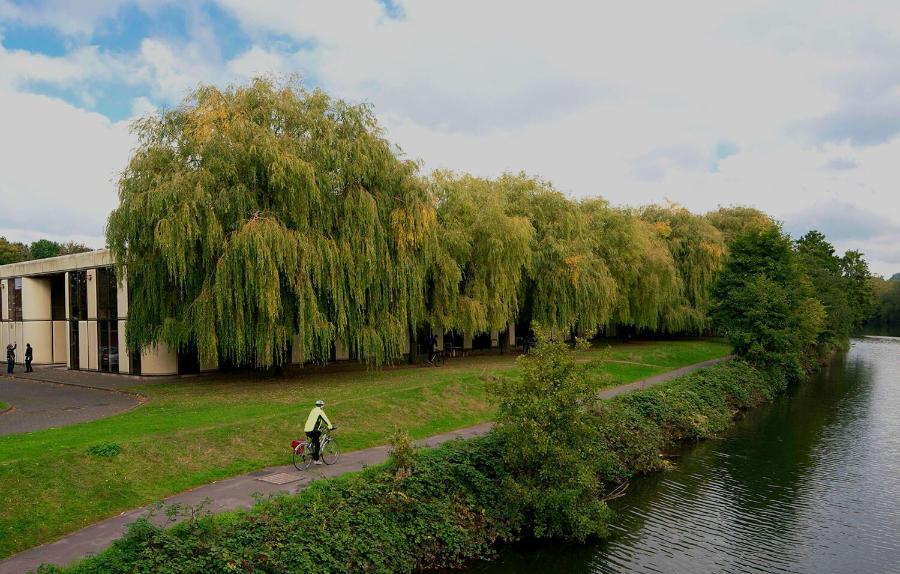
[59, 168]
[840, 164]
[782, 106]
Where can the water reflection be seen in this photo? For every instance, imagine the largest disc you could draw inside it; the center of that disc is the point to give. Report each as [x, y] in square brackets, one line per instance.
[809, 484]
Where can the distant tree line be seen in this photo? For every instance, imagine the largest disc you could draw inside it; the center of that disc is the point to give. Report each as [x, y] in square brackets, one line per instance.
[13, 252]
[263, 217]
[886, 315]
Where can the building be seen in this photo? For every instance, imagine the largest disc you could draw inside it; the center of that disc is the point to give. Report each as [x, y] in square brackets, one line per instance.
[73, 311]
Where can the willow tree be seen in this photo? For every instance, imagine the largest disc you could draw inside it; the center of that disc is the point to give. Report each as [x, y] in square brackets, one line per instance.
[638, 260]
[567, 285]
[265, 217]
[697, 249]
[733, 220]
[480, 254]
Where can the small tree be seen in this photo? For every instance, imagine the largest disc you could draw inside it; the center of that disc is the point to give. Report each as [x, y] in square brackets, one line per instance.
[545, 425]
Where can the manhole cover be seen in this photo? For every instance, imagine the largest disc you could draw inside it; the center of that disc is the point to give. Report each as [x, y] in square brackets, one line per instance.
[280, 478]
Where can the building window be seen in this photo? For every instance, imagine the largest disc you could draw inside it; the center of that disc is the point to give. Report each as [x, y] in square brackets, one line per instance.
[107, 319]
[107, 294]
[78, 295]
[14, 288]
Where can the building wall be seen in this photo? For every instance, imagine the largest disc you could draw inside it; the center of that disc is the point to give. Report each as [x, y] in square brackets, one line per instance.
[159, 360]
[50, 339]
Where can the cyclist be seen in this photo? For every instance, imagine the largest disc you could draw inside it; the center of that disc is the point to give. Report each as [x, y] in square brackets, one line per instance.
[314, 421]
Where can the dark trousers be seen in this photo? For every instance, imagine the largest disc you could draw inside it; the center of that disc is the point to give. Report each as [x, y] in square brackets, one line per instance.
[314, 436]
[28, 368]
[10, 365]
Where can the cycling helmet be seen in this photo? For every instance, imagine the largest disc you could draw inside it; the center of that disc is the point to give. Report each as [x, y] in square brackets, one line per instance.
[320, 403]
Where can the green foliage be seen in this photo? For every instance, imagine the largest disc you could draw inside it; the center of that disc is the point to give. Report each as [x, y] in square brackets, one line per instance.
[481, 253]
[263, 217]
[545, 425]
[886, 296]
[734, 220]
[763, 302]
[859, 290]
[43, 248]
[403, 453]
[104, 450]
[40, 249]
[697, 249]
[12, 252]
[824, 270]
[566, 285]
[460, 500]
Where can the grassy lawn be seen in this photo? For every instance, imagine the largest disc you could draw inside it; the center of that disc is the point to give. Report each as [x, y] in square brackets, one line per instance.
[196, 431]
[3, 406]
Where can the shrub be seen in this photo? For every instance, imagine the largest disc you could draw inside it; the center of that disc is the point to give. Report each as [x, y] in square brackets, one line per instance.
[532, 476]
[104, 450]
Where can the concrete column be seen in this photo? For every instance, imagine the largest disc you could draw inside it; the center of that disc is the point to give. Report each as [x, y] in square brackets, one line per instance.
[60, 342]
[512, 334]
[495, 339]
[440, 340]
[467, 341]
[68, 317]
[93, 346]
[83, 345]
[159, 360]
[124, 354]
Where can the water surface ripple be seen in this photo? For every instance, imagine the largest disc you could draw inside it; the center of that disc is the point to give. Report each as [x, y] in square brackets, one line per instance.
[808, 484]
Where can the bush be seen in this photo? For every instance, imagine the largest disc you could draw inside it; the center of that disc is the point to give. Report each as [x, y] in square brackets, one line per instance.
[104, 450]
[439, 508]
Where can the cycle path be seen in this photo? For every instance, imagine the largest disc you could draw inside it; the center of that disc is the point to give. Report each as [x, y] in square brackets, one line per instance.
[240, 491]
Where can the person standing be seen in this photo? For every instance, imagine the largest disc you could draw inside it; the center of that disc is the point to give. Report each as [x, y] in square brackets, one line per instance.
[29, 355]
[10, 359]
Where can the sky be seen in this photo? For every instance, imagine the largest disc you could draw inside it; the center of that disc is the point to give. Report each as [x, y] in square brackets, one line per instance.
[790, 107]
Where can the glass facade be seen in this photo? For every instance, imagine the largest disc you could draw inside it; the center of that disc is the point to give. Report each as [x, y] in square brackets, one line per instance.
[14, 294]
[107, 320]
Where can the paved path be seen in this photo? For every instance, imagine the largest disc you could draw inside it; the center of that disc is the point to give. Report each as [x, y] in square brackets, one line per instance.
[237, 492]
[40, 405]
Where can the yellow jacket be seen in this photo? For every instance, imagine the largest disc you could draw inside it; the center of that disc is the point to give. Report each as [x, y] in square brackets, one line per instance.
[316, 416]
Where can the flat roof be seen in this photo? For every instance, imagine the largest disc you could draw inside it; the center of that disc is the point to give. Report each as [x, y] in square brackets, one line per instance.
[61, 264]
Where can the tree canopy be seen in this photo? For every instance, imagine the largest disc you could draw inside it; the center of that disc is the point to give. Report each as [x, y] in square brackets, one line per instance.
[264, 223]
[261, 217]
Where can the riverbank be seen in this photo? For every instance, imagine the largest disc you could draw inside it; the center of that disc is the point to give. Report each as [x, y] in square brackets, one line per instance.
[451, 507]
[787, 489]
[196, 431]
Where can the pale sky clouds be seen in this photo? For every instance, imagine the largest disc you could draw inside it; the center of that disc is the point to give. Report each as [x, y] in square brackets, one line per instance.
[792, 107]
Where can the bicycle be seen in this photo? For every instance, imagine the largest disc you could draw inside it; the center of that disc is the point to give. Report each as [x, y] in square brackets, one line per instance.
[329, 453]
[435, 360]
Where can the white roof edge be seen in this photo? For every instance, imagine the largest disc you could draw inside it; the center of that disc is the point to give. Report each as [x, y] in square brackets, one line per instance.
[60, 264]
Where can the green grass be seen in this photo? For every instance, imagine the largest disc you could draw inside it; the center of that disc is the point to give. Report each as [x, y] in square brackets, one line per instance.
[196, 431]
[3, 406]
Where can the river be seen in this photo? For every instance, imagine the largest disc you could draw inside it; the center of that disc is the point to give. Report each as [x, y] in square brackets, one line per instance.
[810, 483]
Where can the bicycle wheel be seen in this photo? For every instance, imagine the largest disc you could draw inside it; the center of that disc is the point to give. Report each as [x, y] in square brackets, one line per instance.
[302, 457]
[330, 452]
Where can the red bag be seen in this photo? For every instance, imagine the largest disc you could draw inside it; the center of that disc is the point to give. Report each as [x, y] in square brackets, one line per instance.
[295, 444]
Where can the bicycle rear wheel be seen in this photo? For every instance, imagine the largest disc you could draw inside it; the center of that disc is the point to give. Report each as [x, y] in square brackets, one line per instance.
[302, 457]
[330, 452]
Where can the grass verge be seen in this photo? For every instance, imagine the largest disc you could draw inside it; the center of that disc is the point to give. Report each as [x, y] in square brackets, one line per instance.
[453, 505]
[197, 431]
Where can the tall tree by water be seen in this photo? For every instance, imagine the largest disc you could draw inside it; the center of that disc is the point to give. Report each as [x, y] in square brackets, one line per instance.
[697, 249]
[638, 261]
[265, 217]
[764, 303]
[824, 270]
[481, 253]
[566, 285]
